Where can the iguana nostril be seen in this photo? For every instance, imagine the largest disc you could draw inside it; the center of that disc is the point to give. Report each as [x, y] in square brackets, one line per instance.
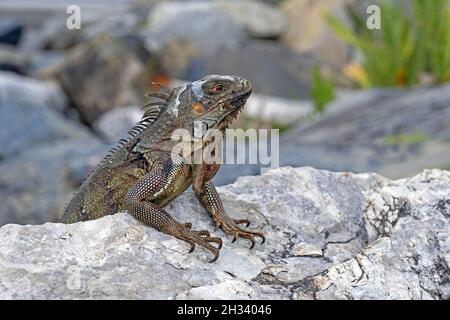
[245, 83]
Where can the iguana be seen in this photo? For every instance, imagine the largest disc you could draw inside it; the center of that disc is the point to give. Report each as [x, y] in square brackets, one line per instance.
[142, 174]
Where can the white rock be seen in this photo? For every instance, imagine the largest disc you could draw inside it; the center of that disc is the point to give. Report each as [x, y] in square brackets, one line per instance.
[305, 249]
[260, 19]
[279, 110]
[115, 124]
[118, 257]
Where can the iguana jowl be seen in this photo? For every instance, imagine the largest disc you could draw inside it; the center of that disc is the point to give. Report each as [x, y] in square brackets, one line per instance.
[142, 174]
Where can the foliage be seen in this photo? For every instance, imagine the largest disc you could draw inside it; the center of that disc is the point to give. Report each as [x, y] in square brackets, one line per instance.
[322, 89]
[414, 138]
[410, 45]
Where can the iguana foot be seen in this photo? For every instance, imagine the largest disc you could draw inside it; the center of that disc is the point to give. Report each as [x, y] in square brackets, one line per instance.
[201, 238]
[230, 226]
[210, 199]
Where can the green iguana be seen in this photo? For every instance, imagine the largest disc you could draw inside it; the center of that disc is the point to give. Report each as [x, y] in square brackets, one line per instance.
[143, 174]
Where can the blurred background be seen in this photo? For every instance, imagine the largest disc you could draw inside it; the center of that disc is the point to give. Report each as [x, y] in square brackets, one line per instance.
[344, 96]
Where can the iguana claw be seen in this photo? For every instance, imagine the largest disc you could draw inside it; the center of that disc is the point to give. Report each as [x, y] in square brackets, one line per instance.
[200, 237]
[240, 221]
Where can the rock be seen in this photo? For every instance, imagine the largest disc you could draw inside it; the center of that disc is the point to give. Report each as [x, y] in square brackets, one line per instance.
[12, 59]
[260, 20]
[308, 32]
[100, 75]
[304, 249]
[273, 69]
[33, 13]
[396, 133]
[179, 59]
[52, 35]
[125, 29]
[277, 110]
[228, 173]
[380, 239]
[29, 115]
[188, 51]
[10, 31]
[114, 125]
[173, 20]
[117, 26]
[43, 63]
[36, 184]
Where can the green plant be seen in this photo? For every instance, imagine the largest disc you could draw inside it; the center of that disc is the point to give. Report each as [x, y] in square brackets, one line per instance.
[433, 40]
[322, 89]
[409, 44]
[416, 137]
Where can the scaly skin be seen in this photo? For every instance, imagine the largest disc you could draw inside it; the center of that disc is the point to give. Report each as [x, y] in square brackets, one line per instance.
[144, 173]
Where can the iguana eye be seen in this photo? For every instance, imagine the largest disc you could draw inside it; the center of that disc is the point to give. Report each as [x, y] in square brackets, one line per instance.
[217, 88]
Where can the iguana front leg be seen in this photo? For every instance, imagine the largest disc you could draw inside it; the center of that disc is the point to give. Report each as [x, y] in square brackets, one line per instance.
[208, 196]
[138, 203]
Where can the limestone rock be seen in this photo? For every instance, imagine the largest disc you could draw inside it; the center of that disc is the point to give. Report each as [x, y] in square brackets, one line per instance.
[379, 239]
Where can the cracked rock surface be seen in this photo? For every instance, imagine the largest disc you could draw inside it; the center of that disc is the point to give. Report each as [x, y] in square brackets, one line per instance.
[328, 236]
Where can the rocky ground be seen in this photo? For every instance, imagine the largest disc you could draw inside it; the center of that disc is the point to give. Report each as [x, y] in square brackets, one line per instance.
[59, 111]
[329, 236]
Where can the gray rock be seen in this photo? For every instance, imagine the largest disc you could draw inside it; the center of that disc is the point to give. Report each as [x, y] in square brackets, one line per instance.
[329, 235]
[218, 43]
[102, 74]
[273, 68]
[260, 20]
[308, 32]
[10, 31]
[125, 29]
[396, 133]
[11, 59]
[114, 125]
[29, 117]
[52, 35]
[212, 30]
[44, 62]
[36, 184]
[278, 110]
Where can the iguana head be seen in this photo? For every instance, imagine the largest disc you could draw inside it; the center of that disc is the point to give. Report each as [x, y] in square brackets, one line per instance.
[213, 101]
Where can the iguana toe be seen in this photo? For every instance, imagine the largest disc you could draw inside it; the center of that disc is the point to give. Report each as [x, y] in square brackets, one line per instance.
[230, 226]
[201, 238]
[242, 221]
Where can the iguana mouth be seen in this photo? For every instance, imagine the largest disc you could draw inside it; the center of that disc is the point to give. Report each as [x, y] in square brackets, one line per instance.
[236, 104]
